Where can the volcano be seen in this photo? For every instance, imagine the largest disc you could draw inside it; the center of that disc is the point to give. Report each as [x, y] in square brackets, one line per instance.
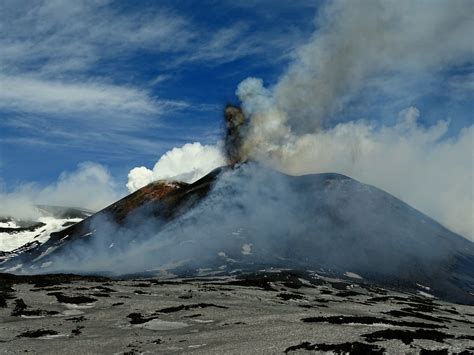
[249, 217]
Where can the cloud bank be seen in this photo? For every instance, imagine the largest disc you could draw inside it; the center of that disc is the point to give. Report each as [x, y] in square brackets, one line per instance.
[29, 94]
[90, 186]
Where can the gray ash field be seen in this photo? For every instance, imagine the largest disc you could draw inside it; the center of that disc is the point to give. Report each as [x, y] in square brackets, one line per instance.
[263, 312]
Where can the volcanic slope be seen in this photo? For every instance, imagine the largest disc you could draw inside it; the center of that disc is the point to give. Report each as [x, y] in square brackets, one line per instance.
[250, 217]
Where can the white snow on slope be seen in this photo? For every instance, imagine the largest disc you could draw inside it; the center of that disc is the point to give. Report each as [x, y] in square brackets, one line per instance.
[9, 224]
[10, 241]
[353, 275]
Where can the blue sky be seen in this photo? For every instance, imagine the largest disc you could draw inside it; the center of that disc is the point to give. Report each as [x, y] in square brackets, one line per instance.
[120, 83]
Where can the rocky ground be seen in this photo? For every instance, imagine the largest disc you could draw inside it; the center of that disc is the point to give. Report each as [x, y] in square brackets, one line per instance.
[264, 312]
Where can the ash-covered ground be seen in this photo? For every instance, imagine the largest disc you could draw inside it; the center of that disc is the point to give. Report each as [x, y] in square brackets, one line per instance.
[263, 312]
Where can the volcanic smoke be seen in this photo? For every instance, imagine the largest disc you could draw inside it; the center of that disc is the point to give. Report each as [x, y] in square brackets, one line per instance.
[234, 135]
[346, 104]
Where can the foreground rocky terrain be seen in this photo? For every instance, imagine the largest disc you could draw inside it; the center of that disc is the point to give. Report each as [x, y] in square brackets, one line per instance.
[263, 312]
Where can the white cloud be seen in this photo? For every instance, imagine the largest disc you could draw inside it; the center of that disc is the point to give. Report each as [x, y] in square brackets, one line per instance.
[60, 36]
[18, 204]
[30, 94]
[55, 37]
[187, 163]
[90, 186]
[139, 177]
[52, 65]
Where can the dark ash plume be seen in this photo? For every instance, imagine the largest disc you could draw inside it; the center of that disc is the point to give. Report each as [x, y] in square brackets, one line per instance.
[234, 136]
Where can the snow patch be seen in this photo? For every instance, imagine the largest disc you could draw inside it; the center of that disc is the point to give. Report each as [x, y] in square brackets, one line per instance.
[71, 312]
[247, 249]
[424, 287]
[196, 346]
[425, 294]
[9, 224]
[353, 275]
[158, 324]
[17, 239]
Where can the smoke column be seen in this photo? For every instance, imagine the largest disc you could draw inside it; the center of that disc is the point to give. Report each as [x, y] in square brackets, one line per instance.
[300, 125]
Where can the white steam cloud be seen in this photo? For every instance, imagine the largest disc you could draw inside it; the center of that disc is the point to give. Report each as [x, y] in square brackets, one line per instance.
[90, 186]
[291, 123]
[418, 165]
[187, 163]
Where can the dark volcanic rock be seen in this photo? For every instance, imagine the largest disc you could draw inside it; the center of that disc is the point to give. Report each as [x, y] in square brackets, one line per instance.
[410, 313]
[348, 294]
[291, 279]
[79, 299]
[368, 320]
[469, 337]
[77, 331]
[137, 318]
[100, 294]
[434, 352]
[290, 296]
[37, 333]
[187, 307]
[6, 293]
[21, 309]
[77, 319]
[344, 348]
[407, 336]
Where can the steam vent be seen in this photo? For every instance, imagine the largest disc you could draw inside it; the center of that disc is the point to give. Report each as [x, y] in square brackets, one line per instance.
[235, 129]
